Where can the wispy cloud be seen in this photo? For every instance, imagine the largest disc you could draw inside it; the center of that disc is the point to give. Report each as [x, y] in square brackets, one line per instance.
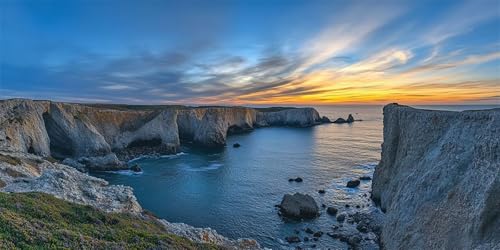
[462, 19]
[364, 53]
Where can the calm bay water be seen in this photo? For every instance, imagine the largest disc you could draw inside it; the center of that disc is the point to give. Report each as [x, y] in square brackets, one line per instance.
[234, 190]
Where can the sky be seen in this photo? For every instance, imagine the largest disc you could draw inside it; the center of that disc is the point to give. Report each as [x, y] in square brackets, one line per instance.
[251, 52]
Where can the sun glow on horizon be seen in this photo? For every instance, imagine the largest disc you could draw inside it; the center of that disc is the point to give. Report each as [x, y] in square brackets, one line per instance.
[302, 52]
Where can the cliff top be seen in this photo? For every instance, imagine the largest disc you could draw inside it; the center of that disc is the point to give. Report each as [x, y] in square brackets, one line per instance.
[147, 107]
[36, 219]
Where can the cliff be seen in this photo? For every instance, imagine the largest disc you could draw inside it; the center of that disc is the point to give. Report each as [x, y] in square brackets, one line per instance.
[102, 136]
[438, 179]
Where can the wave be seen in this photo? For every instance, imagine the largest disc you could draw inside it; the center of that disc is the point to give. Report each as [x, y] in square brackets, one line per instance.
[171, 156]
[213, 166]
[125, 172]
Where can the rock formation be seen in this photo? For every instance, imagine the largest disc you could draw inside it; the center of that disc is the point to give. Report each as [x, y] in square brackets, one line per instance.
[22, 172]
[350, 119]
[439, 179]
[299, 206]
[100, 137]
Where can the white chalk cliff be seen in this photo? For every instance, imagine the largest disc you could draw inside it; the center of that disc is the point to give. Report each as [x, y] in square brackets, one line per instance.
[439, 179]
[101, 137]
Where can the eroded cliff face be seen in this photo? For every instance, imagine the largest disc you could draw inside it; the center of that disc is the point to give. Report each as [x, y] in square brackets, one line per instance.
[438, 180]
[102, 137]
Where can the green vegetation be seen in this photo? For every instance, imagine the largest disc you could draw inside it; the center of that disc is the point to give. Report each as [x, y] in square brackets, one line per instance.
[41, 221]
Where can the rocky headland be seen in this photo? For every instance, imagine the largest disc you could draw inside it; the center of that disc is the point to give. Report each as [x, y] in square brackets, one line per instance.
[102, 137]
[438, 180]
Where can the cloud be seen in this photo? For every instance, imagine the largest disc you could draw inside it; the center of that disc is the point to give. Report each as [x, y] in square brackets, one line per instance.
[346, 32]
[462, 19]
[353, 58]
[118, 87]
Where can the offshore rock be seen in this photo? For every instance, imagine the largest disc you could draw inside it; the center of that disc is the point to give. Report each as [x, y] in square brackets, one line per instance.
[299, 206]
[439, 179]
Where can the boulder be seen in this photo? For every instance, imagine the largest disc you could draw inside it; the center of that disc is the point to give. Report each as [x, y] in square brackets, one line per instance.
[298, 179]
[353, 183]
[321, 191]
[299, 206]
[236, 145]
[331, 211]
[365, 178]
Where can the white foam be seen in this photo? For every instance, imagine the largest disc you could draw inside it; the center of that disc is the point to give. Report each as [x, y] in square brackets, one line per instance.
[125, 172]
[171, 156]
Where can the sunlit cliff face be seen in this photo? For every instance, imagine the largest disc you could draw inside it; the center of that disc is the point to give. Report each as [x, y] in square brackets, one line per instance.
[298, 52]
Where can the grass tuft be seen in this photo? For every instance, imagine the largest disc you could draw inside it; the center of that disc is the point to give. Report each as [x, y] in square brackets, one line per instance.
[41, 221]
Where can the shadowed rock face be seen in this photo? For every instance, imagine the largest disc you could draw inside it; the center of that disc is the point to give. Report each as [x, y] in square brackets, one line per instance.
[439, 179]
[100, 137]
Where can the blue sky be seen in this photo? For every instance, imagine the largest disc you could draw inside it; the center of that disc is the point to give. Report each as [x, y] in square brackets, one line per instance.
[251, 52]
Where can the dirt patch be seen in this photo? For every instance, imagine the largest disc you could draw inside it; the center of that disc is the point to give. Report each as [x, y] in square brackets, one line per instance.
[10, 160]
[13, 173]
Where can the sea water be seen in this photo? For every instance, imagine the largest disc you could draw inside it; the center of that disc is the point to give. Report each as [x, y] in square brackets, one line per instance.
[235, 190]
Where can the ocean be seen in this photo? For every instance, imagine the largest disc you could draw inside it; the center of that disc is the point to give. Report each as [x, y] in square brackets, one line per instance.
[235, 190]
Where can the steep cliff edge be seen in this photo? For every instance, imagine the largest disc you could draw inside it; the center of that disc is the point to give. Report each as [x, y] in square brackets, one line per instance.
[102, 136]
[438, 180]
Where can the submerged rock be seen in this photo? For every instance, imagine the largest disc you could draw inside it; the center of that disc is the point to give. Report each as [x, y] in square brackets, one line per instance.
[365, 178]
[353, 183]
[321, 191]
[299, 206]
[298, 179]
[236, 145]
[292, 239]
[136, 168]
[318, 234]
[341, 217]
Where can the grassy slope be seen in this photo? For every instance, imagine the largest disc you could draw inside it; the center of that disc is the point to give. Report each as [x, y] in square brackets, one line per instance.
[41, 221]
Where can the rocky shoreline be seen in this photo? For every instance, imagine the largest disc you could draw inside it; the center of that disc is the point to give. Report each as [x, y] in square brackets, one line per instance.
[102, 137]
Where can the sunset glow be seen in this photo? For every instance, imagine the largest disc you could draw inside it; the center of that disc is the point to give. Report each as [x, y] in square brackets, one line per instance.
[255, 52]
